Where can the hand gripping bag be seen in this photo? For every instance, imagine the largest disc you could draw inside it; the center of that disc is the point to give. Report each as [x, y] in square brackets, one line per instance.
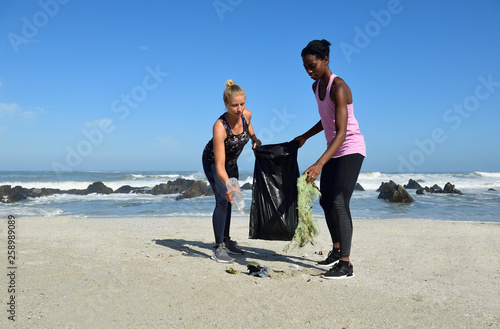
[273, 214]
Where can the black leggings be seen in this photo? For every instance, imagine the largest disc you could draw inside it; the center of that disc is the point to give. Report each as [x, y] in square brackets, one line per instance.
[338, 179]
[221, 218]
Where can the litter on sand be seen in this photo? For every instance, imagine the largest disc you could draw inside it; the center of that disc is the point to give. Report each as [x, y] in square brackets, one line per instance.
[255, 269]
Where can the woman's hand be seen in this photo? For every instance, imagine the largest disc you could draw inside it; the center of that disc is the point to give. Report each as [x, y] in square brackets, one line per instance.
[229, 196]
[313, 172]
[231, 189]
[256, 143]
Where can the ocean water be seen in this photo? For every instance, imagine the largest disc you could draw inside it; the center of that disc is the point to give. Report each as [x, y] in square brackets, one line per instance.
[480, 202]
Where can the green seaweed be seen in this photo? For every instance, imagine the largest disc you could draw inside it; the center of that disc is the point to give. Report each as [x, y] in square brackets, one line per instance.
[307, 227]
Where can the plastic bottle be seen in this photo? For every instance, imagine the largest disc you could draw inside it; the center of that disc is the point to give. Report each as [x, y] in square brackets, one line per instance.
[234, 187]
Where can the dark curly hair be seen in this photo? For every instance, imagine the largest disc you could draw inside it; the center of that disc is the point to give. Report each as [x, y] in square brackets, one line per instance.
[319, 48]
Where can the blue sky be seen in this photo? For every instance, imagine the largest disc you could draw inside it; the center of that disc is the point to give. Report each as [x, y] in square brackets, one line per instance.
[137, 85]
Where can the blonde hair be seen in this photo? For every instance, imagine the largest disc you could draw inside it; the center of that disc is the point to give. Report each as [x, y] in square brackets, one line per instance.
[231, 90]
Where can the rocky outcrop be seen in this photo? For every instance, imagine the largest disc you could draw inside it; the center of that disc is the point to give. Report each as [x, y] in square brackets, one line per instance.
[436, 189]
[448, 188]
[424, 190]
[9, 194]
[38, 192]
[98, 187]
[358, 187]
[177, 186]
[126, 189]
[394, 193]
[185, 187]
[412, 185]
[199, 188]
[18, 193]
[246, 186]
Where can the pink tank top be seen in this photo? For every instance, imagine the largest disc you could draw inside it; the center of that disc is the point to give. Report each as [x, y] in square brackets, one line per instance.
[354, 140]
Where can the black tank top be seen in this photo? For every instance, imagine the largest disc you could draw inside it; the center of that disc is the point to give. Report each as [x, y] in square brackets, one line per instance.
[233, 144]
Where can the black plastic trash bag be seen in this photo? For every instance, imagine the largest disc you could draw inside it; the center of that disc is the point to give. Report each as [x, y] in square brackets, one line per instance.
[273, 215]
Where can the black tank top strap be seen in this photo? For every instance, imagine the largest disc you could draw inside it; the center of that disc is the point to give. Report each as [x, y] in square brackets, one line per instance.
[244, 121]
[225, 123]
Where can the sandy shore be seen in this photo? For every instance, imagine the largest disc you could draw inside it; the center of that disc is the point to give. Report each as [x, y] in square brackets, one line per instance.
[157, 273]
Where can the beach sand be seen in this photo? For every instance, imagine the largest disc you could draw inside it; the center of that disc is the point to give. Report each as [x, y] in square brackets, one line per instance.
[157, 273]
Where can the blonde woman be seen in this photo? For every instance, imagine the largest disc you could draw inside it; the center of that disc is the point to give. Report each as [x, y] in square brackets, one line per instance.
[231, 132]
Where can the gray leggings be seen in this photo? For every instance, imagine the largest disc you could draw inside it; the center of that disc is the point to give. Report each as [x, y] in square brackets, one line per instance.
[338, 180]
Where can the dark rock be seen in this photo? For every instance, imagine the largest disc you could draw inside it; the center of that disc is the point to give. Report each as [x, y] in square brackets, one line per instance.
[126, 189]
[491, 189]
[77, 192]
[10, 195]
[383, 185]
[177, 186]
[37, 192]
[199, 188]
[394, 193]
[246, 186]
[450, 188]
[99, 187]
[412, 185]
[4, 189]
[16, 196]
[160, 189]
[424, 190]
[436, 189]
[188, 188]
[358, 187]
[4, 193]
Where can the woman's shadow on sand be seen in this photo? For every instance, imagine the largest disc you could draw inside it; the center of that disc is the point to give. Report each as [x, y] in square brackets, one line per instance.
[197, 249]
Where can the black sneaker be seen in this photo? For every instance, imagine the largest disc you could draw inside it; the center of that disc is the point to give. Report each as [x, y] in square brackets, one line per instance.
[231, 247]
[332, 259]
[342, 270]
